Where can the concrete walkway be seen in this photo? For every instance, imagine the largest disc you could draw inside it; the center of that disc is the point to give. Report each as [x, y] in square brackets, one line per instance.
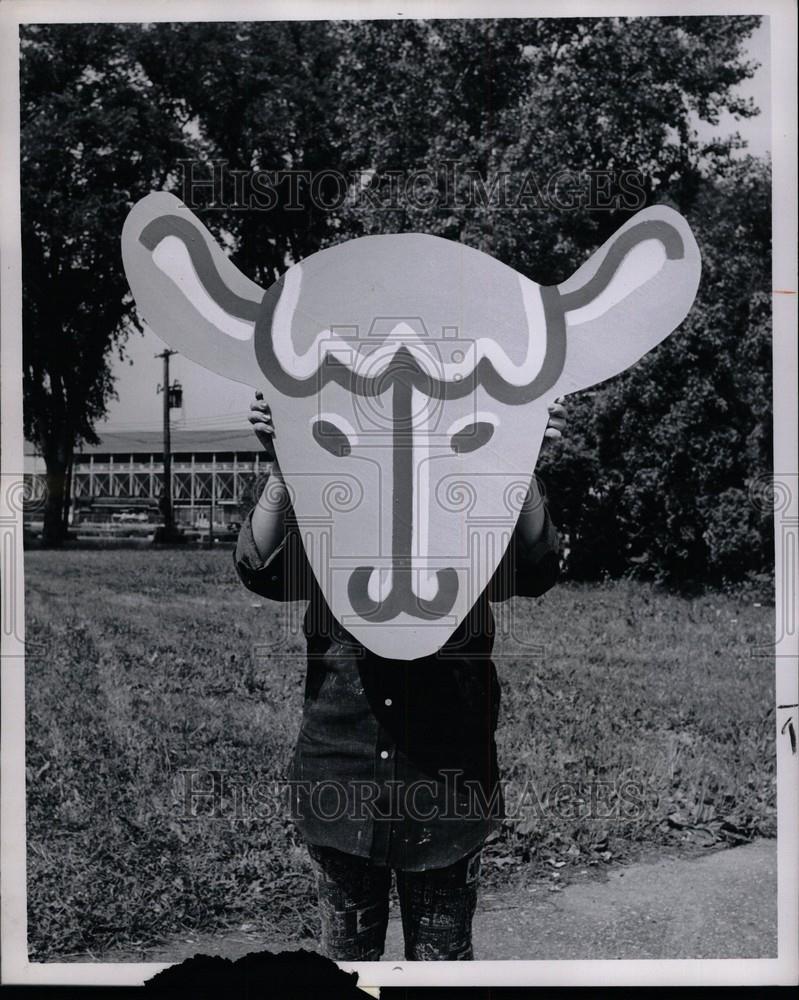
[720, 906]
[723, 905]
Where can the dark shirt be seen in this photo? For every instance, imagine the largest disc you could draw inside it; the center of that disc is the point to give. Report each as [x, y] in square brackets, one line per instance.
[396, 759]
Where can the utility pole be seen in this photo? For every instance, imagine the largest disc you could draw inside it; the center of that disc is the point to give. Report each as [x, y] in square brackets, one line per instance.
[213, 507]
[166, 496]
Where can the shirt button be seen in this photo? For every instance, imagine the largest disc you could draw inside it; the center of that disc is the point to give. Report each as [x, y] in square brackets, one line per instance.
[388, 702]
[384, 754]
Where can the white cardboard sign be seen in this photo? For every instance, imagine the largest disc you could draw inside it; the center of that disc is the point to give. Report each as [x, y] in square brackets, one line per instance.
[409, 379]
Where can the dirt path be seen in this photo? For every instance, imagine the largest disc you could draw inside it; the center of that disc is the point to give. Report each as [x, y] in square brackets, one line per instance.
[723, 905]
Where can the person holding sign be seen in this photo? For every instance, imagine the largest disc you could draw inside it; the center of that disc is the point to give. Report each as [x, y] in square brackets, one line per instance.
[395, 766]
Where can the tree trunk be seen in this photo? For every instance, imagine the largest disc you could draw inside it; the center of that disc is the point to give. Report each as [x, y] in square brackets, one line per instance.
[57, 459]
[67, 494]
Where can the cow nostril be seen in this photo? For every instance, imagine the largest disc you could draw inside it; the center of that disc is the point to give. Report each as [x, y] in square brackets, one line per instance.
[426, 585]
[443, 599]
[401, 597]
[362, 602]
[379, 586]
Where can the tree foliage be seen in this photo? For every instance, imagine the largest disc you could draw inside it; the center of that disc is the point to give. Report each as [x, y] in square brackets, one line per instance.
[260, 99]
[530, 139]
[538, 112]
[95, 137]
[665, 469]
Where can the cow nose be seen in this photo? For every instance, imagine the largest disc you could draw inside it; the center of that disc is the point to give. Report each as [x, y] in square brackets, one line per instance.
[402, 597]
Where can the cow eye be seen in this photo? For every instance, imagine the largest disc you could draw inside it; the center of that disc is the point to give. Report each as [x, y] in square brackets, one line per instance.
[331, 438]
[472, 437]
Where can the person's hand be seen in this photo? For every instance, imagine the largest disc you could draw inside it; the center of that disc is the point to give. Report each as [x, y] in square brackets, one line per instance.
[557, 419]
[261, 421]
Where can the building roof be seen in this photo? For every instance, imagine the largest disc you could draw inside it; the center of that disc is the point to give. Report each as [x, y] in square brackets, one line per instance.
[151, 442]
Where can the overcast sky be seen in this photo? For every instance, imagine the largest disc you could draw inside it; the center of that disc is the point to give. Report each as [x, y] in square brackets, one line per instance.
[211, 401]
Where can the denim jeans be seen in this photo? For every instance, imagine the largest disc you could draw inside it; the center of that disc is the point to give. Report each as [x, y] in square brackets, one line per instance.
[437, 907]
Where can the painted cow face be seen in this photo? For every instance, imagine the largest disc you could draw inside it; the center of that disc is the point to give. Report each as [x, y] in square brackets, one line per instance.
[409, 379]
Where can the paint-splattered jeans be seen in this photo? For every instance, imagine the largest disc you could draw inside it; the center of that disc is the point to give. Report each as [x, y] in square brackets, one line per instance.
[436, 905]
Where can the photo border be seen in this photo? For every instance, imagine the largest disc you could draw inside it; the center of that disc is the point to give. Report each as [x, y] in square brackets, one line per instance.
[16, 969]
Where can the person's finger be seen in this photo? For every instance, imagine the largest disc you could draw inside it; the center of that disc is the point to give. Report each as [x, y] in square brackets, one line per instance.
[558, 409]
[259, 394]
[260, 406]
[552, 432]
[260, 419]
[556, 423]
[263, 428]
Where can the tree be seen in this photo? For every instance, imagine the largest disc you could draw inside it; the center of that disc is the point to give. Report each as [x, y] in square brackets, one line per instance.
[109, 113]
[95, 136]
[261, 100]
[675, 446]
[530, 139]
[544, 119]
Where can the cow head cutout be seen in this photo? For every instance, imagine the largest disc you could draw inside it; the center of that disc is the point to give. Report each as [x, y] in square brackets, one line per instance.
[409, 379]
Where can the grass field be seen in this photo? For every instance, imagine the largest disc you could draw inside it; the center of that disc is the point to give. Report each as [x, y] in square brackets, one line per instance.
[630, 718]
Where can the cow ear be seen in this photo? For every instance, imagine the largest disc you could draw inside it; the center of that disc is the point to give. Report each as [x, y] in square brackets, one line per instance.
[628, 296]
[187, 290]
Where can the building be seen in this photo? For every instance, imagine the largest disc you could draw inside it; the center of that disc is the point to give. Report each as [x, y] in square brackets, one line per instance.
[214, 475]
